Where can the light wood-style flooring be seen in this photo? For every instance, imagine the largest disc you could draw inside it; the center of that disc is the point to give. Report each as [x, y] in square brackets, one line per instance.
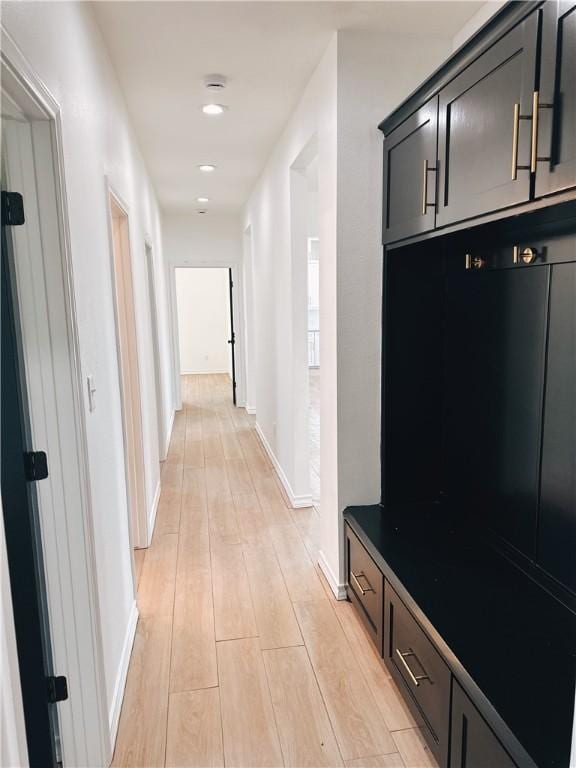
[242, 656]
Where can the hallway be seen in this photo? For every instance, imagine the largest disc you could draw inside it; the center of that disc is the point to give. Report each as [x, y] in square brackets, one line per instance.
[242, 656]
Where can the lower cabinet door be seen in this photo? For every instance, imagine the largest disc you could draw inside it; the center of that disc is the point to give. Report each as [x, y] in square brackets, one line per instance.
[365, 587]
[419, 671]
[473, 744]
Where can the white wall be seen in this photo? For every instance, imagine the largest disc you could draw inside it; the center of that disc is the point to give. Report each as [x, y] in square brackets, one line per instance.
[482, 15]
[375, 74]
[279, 306]
[210, 239]
[361, 78]
[202, 297]
[63, 45]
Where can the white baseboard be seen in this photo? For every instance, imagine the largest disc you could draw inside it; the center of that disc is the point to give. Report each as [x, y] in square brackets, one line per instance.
[295, 501]
[153, 511]
[251, 410]
[203, 373]
[338, 589]
[169, 432]
[118, 696]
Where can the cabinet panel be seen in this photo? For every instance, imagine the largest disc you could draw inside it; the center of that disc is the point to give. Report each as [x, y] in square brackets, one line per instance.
[557, 123]
[472, 743]
[477, 129]
[557, 524]
[365, 587]
[410, 175]
[419, 671]
[496, 334]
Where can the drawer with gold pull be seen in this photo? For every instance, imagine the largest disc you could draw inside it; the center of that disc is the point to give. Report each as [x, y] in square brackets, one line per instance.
[365, 587]
[419, 670]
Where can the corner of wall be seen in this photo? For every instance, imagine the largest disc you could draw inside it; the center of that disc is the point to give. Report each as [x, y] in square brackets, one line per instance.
[118, 694]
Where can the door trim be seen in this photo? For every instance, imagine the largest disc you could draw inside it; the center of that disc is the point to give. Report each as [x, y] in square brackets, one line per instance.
[239, 325]
[139, 530]
[156, 355]
[70, 561]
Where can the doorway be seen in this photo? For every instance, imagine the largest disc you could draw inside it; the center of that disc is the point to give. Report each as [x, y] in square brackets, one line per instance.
[129, 372]
[20, 512]
[205, 319]
[46, 505]
[305, 338]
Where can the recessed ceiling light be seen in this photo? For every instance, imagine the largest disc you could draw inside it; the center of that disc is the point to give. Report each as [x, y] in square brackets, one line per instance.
[214, 109]
[207, 168]
[202, 199]
[215, 82]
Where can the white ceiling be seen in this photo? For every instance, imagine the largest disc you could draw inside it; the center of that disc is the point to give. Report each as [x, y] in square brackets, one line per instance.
[162, 50]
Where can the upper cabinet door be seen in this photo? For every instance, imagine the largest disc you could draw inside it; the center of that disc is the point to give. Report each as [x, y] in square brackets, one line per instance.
[410, 174]
[485, 129]
[556, 127]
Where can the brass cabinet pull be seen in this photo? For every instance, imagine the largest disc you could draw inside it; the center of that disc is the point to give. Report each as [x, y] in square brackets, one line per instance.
[362, 589]
[515, 254]
[515, 132]
[536, 107]
[425, 188]
[425, 204]
[415, 678]
[534, 143]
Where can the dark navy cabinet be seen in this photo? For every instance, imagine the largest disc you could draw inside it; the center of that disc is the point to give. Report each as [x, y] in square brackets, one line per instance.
[556, 128]
[464, 570]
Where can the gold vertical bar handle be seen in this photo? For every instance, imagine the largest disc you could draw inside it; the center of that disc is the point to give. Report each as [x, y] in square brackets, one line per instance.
[362, 589]
[534, 144]
[515, 131]
[415, 678]
[515, 255]
[425, 189]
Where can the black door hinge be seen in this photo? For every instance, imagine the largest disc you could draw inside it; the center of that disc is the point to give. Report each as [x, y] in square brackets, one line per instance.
[35, 465]
[12, 209]
[57, 689]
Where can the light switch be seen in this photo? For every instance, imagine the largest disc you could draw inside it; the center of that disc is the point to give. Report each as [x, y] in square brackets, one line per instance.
[91, 392]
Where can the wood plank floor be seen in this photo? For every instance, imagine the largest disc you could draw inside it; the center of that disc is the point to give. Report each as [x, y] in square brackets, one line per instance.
[242, 655]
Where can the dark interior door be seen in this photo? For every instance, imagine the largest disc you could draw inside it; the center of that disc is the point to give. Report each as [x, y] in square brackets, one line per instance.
[23, 540]
[478, 122]
[496, 336]
[232, 339]
[556, 167]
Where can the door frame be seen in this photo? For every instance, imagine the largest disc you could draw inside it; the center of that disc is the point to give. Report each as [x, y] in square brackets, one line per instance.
[299, 489]
[138, 522]
[239, 323]
[232, 339]
[58, 419]
[156, 359]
